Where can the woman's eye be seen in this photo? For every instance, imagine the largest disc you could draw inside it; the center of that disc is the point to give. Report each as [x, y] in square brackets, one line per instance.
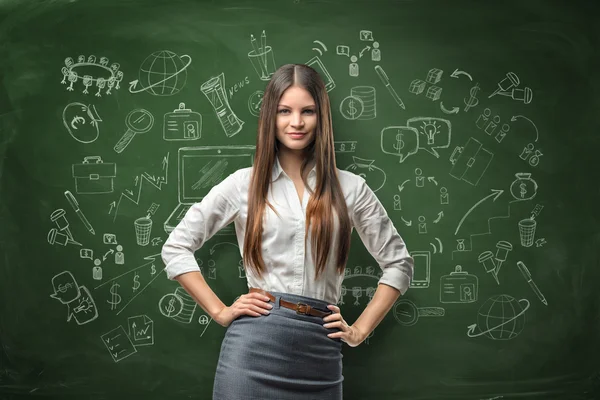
[309, 111]
[283, 111]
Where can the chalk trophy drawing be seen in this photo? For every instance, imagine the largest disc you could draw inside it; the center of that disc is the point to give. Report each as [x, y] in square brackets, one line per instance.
[261, 57]
[178, 305]
[79, 301]
[104, 76]
[491, 263]
[407, 313]
[501, 317]
[374, 175]
[459, 287]
[434, 92]
[118, 344]
[470, 162]
[182, 124]
[360, 104]
[509, 87]
[162, 73]
[75, 119]
[138, 121]
[214, 90]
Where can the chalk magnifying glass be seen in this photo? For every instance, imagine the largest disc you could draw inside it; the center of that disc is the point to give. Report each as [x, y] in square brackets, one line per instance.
[407, 313]
[137, 121]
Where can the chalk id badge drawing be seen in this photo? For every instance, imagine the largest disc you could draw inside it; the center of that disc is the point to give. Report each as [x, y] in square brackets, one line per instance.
[458, 287]
[182, 124]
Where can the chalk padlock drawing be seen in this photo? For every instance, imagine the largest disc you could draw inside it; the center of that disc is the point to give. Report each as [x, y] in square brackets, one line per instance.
[94, 176]
[82, 122]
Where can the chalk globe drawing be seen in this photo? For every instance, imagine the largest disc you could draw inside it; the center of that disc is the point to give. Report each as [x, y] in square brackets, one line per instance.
[501, 317]
[163, 73]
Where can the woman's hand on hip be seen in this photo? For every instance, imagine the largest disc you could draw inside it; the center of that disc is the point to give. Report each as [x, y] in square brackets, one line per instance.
[347, 333]
[253, 304]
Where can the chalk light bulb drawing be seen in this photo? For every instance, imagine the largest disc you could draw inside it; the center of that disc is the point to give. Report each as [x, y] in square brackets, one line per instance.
[430, 129]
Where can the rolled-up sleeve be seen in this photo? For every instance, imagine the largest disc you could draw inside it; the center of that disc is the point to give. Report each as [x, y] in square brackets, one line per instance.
[216, 210]
[380, 237]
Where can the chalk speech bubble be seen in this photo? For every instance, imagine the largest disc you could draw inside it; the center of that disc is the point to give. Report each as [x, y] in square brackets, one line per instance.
[434, 133]
[401, 141]
[65, 287]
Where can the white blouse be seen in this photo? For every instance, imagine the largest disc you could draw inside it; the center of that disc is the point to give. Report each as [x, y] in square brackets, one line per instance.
[289, 265]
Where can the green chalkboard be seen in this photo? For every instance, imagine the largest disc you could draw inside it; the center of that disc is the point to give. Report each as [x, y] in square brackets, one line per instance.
[475, 124]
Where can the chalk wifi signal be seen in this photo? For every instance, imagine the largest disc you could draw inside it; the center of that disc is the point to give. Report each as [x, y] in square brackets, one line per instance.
[319, 50]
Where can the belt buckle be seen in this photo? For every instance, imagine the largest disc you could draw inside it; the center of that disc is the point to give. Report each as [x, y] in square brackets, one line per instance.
[306, 308]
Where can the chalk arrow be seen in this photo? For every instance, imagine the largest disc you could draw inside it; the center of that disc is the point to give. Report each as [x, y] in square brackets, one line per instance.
[133, 85]
[453, 110]
[112, 205]
[457, 73]
[495, 194]
[537, 133]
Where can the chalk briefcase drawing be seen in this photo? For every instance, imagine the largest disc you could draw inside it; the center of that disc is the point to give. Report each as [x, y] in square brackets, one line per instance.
[93, 176]
[470, 162]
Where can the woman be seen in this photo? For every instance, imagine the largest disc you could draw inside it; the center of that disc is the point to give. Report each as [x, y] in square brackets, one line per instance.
[284, 337]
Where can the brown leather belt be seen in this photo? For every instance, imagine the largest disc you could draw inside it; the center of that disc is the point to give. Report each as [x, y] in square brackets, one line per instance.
[300, 308]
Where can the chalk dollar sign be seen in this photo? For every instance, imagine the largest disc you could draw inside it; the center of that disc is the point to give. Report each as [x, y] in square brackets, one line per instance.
[116, 298]
[171, 307]
[136, 283]
[399, 142]
[63, 288]
[473, 101]
[351, 107]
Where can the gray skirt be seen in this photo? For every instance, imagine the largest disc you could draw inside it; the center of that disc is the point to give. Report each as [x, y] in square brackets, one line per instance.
[282, 356]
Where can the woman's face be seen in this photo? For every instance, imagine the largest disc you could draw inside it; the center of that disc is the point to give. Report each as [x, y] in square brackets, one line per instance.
[296, 119]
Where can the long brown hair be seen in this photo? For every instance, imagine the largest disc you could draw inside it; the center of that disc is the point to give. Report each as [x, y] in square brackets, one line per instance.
[327, 200]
